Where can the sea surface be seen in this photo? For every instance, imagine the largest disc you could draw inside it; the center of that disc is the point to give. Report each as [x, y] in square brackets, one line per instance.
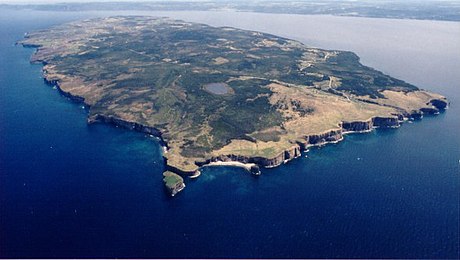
[70, 190]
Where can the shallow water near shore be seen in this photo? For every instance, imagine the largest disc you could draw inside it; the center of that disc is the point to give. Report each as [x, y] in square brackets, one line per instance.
[72, 190]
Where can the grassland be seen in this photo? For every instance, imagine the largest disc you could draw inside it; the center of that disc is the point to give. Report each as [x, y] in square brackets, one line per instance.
[155, 72]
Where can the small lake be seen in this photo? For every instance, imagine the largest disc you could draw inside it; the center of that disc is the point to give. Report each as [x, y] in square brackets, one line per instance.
[217, 88]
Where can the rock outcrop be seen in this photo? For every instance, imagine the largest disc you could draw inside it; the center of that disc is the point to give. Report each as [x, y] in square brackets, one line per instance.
[125, 124]
[173, 182]
[439, 103]
[358, 126]
[55, 82]
[327, 137]
[386, 122]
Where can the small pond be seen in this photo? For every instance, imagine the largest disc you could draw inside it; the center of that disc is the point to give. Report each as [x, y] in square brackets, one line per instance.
[218, 88]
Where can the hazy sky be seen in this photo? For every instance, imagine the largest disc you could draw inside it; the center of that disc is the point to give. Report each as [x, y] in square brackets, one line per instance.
[74, 1]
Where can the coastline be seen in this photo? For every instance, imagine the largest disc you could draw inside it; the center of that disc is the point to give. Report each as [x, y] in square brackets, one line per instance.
[330, 136]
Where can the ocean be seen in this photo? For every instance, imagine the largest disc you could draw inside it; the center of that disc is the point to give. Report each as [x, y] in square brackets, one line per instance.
[72, 190]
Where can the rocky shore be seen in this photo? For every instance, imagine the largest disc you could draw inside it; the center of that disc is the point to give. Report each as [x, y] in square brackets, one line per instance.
[331, 136]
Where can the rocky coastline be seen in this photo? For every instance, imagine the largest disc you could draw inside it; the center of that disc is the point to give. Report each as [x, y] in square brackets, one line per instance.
[302, 143]
[331, 136]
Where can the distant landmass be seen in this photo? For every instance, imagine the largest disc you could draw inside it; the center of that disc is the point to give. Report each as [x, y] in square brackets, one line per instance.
[409, 9]
[220, 94]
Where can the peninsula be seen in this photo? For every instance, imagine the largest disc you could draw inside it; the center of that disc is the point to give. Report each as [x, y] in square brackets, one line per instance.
[220, 94]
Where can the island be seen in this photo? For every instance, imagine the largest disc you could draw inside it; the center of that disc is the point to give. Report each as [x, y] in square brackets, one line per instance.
[220, 94]
[173, 182]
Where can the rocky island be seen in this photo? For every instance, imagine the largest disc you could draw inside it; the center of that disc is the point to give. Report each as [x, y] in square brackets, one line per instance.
[220, 94]
[173, 182]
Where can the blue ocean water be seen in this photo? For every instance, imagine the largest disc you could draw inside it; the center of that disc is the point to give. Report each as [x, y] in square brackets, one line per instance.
[72, 190]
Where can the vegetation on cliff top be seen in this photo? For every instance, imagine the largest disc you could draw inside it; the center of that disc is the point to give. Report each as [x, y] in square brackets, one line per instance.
[173, 182]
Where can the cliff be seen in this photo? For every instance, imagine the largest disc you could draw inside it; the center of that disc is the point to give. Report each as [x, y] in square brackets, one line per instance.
[386, 122]
[331, 136]
[294, 151]
[357, 126]
[440, 104]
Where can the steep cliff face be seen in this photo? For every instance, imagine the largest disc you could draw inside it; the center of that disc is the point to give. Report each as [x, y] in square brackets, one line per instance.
[416, 114]
[429, 110]
[357, 126]
[386, 122]
[270, 162]
[292, 153]
[230, 158]
[439, 103]
[29, 45]
[327, 137]
[172, 168]
[264, 162]
[282, 157]
[55, 82]
[436, 106]
[125, 124]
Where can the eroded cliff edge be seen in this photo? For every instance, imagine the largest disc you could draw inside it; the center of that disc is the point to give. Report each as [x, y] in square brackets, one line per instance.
[272, 97]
